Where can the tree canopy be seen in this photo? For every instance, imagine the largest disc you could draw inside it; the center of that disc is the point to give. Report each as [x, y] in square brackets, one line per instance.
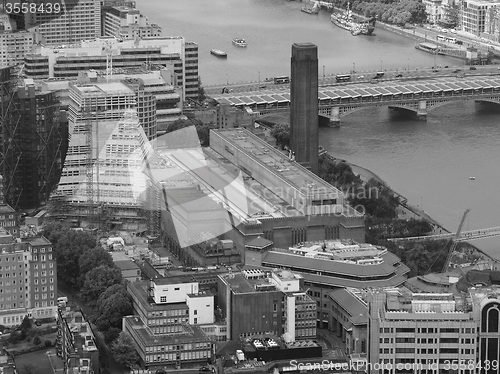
[281, 133]
[93, 258]
[112, 305]
[124, 352]
[98, 280]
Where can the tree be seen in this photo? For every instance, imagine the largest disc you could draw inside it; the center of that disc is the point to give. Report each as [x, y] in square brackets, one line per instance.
[54, 230]
[98, 280]
[201, 91]
[281, 133]
[111, 335]
[70, 246]
[112, 305]
[36, 340]
[93, 258]
[124, 352]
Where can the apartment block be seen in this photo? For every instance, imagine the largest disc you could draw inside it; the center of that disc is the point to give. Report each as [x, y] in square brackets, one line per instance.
[8, 216]
[125, 22]
[77, 20]
[76, 343]
[28, 285]
[108, 53]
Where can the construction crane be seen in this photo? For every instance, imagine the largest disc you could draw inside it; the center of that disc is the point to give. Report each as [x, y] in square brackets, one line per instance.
[454, 241]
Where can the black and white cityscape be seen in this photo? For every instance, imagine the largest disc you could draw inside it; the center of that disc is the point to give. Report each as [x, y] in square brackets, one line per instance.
[249, 187]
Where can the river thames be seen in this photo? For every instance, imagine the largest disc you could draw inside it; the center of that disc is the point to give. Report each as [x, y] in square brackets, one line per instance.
[429, 162]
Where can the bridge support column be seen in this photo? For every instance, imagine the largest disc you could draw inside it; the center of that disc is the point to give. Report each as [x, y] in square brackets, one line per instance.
[422, 110]
[335, 117]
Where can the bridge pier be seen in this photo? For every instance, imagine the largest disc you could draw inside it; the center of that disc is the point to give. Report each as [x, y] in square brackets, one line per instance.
[334, 117]
[418, 110]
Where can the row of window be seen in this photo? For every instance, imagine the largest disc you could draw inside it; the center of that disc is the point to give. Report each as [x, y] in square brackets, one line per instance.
[427, 330]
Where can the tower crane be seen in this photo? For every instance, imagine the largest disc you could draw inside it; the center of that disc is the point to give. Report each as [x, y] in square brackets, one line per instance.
[454, 240]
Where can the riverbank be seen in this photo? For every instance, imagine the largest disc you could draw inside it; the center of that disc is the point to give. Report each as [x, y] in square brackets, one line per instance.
[406, 210]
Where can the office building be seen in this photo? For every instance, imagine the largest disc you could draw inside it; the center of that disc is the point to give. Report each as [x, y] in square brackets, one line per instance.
[102, 164]
[77, 20]
[480, 18]
[14, 45]
[75, 342]
[107, 53]
[304, 141]
[431, 330]
[258, 303]
[35, 142]
[166, 328]
[28, 279]
[124, 22]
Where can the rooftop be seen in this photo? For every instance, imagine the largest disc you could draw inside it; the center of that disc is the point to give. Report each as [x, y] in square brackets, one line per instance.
[240, 284]
[272, 159]
[352, 304]
[190, 334]
[140, 291]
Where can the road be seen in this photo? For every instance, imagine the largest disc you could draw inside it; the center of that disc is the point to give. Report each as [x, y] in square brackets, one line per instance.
[366, 76]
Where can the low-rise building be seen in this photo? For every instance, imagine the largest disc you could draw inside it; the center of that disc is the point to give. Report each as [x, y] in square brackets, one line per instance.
[161, 330]
[75, 342]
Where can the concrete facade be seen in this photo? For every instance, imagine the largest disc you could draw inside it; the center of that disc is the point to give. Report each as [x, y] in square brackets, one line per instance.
[304, 105]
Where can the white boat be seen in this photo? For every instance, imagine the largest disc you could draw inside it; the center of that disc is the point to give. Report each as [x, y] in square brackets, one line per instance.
[218, 53]
[240, 42]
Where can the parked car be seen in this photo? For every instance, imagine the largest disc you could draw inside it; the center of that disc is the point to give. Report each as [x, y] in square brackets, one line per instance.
[399, 75]
[457, 71]
[472, 68]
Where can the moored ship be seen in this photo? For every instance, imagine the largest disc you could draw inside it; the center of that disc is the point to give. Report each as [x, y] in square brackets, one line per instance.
[218, 53]
[355, 24]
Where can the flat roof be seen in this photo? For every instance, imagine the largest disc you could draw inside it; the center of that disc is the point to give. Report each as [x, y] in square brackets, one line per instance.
[190, 334]
[275, 161]
[240, 284]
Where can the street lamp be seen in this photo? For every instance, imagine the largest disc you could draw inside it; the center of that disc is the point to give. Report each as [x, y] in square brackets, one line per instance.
[381, 62]
[323, 74]
[227, 80]
[259, 80]
[353, 68]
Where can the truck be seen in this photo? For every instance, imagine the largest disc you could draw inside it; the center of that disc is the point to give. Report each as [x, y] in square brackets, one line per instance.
[115, 243]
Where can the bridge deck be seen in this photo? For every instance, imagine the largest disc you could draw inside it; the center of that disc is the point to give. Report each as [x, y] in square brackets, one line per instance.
[464, 236]
[365, 93]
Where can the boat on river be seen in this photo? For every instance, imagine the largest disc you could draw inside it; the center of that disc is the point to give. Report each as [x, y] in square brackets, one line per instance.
[240, 42]
[357, 25]
[218, 53]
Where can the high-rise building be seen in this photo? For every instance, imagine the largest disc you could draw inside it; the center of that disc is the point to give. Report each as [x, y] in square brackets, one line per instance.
[14, 45]
[35, 141]
[125, 22]
[77, 20]
[107, 124]
[108, 53]
[28, 279]
[304, 140]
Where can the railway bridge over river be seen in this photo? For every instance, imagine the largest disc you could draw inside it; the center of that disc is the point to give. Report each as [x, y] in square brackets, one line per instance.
[416, 96]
